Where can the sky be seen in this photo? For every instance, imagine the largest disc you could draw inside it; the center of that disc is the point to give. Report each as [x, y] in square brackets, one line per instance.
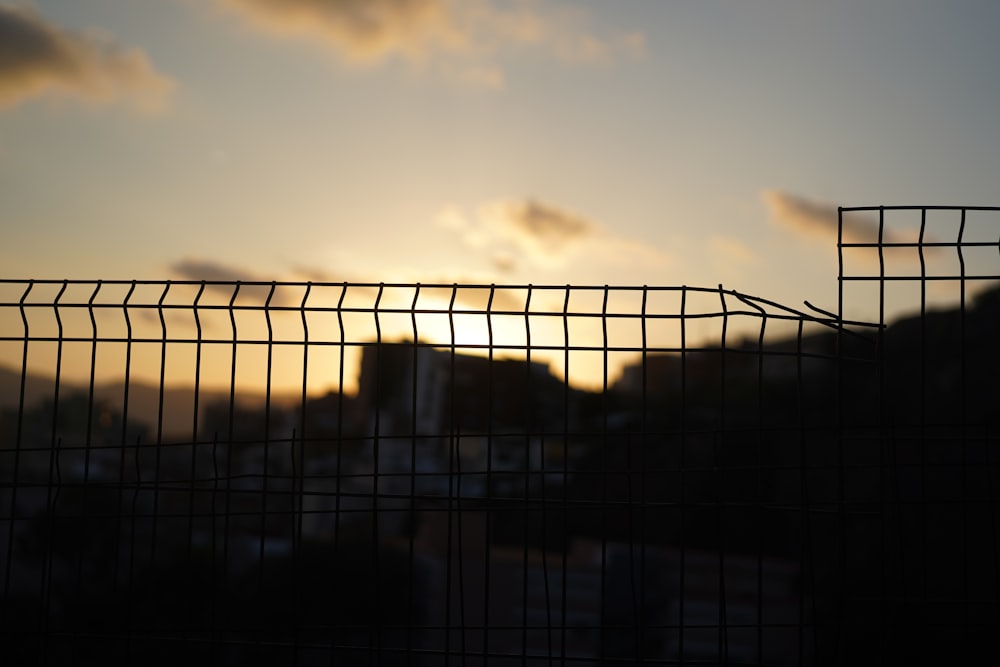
[548, 142]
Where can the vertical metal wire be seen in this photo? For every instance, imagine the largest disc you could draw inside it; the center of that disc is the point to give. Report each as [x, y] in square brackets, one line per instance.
[884, 399]
[373, 653]
[639, 587]
[18, 437]
[159, 444]
[266, 466]
[533, 425]
[963, 425]
[199, 344]
[490, 398]
[335, 588]
[565, 507]
[990, 438]
[806, 562]
[718, 434]
[89, 434]
[922, 419]
[682, 491]
[455, 470]
[228, 456]
[195, 442]
[527, 480]
[300, 440]
[414, 509]
[125, 444]
[841, 593]
[759, 490]
[759, 493]
[604, 438]
[842, 519]
[55, 479]
[922, 371]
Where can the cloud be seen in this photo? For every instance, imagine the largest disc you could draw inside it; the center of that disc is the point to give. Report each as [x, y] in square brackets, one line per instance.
[504, 262]
[206, 269]
[37, 57]
[541, 233]
[812, 218]
[360, 30]
[421, 31]
[539, 229]
[256, 287]
[436, 290]
[328, 288]
[563, 31]
[225, 276]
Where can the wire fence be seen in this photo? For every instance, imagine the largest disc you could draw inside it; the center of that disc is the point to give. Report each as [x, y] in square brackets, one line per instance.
[403, 474]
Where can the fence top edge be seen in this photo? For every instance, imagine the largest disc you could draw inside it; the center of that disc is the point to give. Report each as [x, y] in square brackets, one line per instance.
[550, 287]
[929, 207]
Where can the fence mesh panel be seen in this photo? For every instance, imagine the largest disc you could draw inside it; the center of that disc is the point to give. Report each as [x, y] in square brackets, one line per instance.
[405, 474]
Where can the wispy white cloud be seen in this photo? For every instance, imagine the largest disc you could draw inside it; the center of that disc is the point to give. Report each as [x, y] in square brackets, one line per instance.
[543, 234]
[38, 57]
[459, 37]
[540, 230]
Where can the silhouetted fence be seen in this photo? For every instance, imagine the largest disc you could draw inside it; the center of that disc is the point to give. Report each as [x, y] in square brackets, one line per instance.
[376, 474]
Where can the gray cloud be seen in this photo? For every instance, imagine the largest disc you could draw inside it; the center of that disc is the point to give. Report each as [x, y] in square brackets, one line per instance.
[538, 228]
[205, 269]
[37, 57]
[812, 218]
[436, 292]
[215, 272]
